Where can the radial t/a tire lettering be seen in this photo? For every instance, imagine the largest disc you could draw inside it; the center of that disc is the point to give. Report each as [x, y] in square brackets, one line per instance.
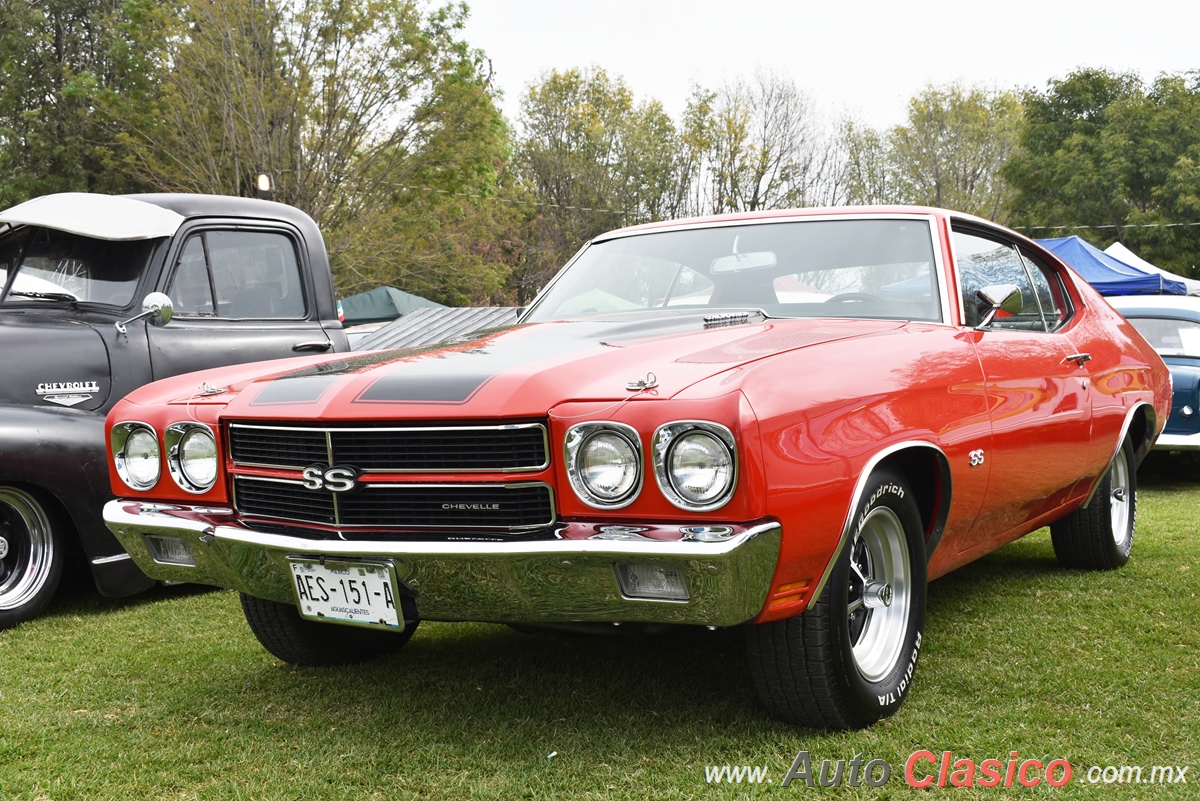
[1099, 536]
[849, 659]
[282, 631]
[31, 555]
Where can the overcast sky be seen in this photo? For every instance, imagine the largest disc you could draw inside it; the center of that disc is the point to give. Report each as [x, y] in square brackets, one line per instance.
[864, 58]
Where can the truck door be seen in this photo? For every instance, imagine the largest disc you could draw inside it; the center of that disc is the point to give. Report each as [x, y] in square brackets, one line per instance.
[240, 295]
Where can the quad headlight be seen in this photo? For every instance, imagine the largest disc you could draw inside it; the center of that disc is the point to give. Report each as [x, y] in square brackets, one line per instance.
[136, 454]
[192, 456]
[695, 464]
[604, 463]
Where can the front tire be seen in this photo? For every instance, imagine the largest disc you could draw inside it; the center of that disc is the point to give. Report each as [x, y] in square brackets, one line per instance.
[1100, 535]
[31, 556]
[848, 660]
[287, 635]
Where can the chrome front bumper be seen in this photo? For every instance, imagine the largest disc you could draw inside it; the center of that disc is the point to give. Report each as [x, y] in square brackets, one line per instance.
[544, 581]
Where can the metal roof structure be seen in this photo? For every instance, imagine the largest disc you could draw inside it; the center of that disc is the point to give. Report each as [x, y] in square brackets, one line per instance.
[432, 325]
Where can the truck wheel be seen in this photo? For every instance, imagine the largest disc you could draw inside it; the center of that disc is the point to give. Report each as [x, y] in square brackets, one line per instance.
[1100, 535]
[31, 557]
[848, 660]
[297, 641]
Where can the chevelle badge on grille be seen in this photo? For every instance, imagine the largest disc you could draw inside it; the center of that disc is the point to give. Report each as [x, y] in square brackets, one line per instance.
[68, 393]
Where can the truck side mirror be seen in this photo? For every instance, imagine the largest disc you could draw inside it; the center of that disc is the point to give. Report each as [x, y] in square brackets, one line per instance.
[157, 306]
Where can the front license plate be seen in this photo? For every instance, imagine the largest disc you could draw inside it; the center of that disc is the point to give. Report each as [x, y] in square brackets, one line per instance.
[346, 592]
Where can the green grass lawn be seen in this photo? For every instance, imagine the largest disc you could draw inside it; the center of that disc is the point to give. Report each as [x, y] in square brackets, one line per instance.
[168, 696]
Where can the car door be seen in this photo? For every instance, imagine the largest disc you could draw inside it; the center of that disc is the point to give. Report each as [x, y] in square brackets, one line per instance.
[1038, 397]
[240, 295]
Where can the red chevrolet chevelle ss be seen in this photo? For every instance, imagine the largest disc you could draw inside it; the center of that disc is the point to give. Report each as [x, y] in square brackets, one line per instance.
[787, 421]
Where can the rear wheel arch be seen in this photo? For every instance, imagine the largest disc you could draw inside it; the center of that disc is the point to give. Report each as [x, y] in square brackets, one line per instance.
[1140, 429]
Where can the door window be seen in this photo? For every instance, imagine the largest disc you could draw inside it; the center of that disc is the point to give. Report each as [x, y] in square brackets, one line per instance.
[983, 262]
[239, 274]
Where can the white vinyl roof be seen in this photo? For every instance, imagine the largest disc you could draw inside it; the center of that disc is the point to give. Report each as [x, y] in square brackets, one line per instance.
[97, 216]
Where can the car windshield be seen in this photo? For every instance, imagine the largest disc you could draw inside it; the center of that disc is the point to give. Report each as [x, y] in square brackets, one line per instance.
[1170, 336]
[45, 266]
[864, 268]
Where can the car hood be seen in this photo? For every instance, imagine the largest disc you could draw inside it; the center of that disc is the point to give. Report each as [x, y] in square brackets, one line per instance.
[51, 361]
[514, 372]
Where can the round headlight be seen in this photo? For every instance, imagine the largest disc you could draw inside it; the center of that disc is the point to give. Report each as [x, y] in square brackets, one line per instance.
[198, 457]
[604, 463]
[608, 465]
[700, 467]
[137, 460]
[695, 463]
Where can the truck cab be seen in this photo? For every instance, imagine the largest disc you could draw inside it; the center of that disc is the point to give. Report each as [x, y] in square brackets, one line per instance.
[101, 294]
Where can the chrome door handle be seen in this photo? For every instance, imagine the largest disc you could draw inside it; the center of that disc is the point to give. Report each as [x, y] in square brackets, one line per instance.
[1080, 359]
[317, 345]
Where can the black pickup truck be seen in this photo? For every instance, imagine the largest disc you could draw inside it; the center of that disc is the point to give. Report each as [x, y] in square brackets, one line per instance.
[100, 295]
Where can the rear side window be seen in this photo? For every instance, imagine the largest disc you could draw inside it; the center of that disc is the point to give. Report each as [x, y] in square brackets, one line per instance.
[239, 274]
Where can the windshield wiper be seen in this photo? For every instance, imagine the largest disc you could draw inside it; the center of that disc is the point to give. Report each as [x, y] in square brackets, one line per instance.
[47, 296]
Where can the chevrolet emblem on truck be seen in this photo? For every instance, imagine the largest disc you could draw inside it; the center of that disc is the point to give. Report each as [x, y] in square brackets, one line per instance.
[68, 393]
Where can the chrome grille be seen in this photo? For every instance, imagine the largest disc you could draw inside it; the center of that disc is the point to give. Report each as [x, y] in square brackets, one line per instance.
[484, 507]
[414, 449]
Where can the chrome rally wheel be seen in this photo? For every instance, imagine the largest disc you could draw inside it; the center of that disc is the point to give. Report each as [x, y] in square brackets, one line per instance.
[30, 558]
[848, 660]
[1099, 536]
[879, 594]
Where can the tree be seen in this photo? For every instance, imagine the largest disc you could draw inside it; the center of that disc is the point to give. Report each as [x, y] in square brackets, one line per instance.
[1107, 158]
[53, 55]
[373, 116]
[953, 147]
[592, 159]
[948, 153]
[758, 146]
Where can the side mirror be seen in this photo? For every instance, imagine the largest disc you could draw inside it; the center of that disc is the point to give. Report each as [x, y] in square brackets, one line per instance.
[157, 306]
[998, 298]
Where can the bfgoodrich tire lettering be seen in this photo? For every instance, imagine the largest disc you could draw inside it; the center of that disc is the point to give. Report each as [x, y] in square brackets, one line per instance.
[283, 632]
[1100, 535]
[849, 659]
[31, 556]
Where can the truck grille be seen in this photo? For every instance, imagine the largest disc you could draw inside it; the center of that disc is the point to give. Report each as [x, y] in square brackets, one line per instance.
[415, 449]
[482, 507]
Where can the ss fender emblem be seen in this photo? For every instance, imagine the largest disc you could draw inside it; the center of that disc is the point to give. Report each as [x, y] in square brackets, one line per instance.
[334, 479]
[976, 457]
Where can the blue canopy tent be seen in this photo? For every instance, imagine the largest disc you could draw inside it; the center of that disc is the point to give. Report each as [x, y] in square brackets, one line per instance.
[1108, 275]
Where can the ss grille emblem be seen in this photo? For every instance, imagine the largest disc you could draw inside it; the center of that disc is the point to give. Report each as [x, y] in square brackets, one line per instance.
[334, 479]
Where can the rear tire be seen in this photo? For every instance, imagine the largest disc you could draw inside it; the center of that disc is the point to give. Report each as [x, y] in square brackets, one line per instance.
[848, 660]
[31, 556]
[283, 632]
[1100, 535]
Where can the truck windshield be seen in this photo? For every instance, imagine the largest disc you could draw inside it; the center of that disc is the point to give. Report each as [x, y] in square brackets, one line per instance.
[867, 268]
[45, 266]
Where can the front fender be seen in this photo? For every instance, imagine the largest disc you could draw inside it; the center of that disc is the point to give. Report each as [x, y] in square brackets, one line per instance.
[62, 453]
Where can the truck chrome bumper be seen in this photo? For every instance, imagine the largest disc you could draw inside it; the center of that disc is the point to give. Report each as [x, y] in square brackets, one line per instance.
[543, 581]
